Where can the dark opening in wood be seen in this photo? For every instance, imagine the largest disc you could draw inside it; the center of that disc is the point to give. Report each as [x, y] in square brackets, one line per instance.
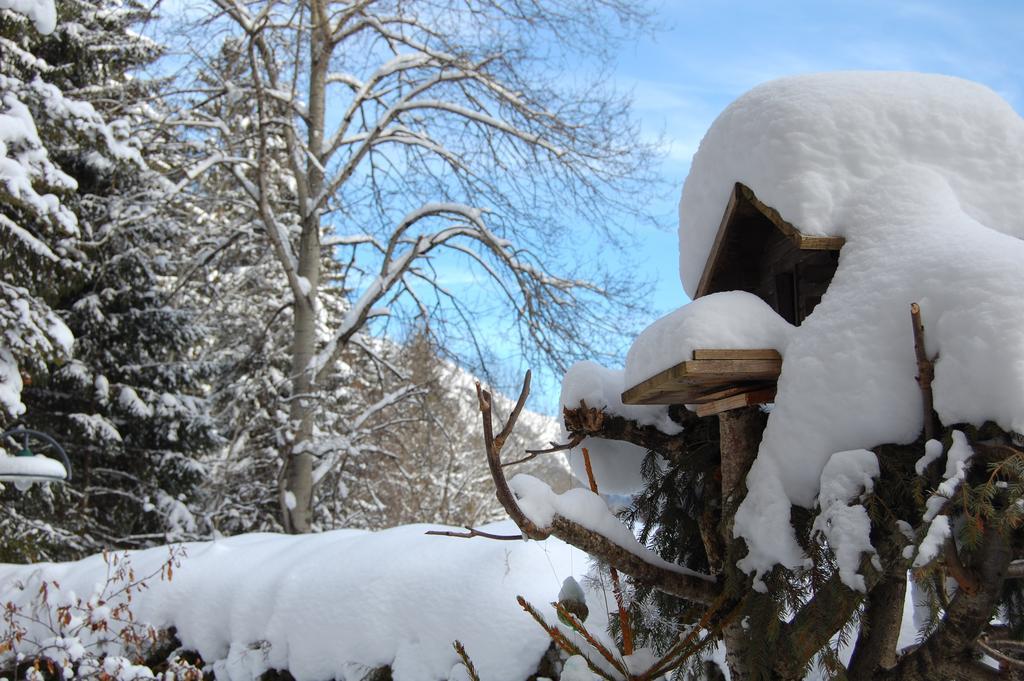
[756, 250]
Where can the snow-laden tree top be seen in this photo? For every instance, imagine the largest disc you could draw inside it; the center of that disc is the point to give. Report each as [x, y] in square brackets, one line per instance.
[809, 145]
[921, 175]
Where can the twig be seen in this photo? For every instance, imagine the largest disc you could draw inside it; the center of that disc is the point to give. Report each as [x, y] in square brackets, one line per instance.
[470, 669]
[925, 371]
[471, 532]
[560, 639]
[1005, 660]
[555, 447]
[627, 630]
[578, 627]
[493, 445]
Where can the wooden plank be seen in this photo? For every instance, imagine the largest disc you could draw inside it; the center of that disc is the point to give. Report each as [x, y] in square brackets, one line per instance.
[819, 243]
[705, 395]
[723, 227]
[764, 353]
[746, 399]
[729, 370]
[693, 378]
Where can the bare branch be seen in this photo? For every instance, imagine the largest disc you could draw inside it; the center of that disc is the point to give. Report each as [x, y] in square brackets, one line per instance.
[472, 532]
[701, 590]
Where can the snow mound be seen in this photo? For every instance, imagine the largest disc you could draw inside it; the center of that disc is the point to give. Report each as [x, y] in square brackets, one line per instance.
[334, 605]
[731, 320]
[921, 175]
[809, 144]
[541, 505]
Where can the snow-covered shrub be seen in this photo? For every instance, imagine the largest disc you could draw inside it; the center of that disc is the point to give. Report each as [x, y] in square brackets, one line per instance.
[54, 632]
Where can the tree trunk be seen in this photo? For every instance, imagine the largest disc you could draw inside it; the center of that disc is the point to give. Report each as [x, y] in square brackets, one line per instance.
[297, 490]
[740, 433]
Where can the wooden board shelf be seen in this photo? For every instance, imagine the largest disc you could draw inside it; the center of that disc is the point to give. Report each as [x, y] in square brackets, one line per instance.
[723, 377]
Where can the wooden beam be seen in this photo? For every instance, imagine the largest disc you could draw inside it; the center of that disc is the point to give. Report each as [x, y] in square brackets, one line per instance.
[737, 354]
[747, 399]
[687, 381]
[803, 241]
[723, 227]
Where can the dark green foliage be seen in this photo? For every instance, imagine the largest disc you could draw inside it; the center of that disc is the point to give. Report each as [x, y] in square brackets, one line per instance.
[668, 514]
[127, 406]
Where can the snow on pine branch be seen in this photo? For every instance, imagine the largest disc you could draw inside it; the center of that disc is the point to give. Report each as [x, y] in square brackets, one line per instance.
[42, 13]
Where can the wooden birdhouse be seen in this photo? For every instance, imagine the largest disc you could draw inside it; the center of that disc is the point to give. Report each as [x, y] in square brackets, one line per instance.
[758, 251]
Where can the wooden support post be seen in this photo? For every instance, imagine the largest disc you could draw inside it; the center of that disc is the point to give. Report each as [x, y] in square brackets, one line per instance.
[739, 437]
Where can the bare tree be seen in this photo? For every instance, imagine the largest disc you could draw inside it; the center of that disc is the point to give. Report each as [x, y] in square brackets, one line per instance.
[396, 138]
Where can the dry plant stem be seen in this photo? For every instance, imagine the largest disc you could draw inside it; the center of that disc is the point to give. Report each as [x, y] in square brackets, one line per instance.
[627, 630]
[698, 588]
[560, 639]
[470, 669]
[589, 638]
[493, 445]
[925, 371]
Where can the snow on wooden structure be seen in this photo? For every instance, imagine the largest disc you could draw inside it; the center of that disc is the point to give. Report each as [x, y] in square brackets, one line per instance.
[714, 380]
[758, 251]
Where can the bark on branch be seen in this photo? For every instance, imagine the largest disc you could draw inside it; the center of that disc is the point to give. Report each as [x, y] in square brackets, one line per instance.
[585, 421]
[925, 372]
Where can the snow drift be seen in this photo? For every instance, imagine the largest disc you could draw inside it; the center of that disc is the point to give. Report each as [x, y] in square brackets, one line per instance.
[338, 604]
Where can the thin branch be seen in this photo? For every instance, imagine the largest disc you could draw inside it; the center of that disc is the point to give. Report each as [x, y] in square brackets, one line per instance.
[698, 588]
[472, 532]
[925, 371]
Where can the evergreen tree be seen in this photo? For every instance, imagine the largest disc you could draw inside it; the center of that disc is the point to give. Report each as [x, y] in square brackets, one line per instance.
[126, 407]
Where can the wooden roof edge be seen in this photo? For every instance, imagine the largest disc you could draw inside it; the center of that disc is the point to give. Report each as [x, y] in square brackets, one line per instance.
[712, 259]
[804, 242]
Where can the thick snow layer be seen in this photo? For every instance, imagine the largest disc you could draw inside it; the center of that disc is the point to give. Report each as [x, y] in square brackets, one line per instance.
[332, 605]
[731, 320]
[616, 464]
[38, 466]
[810, 145]
[847, 477]
[921, 175]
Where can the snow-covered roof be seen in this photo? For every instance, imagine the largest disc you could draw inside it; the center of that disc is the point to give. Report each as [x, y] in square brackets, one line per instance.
[809, 145]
